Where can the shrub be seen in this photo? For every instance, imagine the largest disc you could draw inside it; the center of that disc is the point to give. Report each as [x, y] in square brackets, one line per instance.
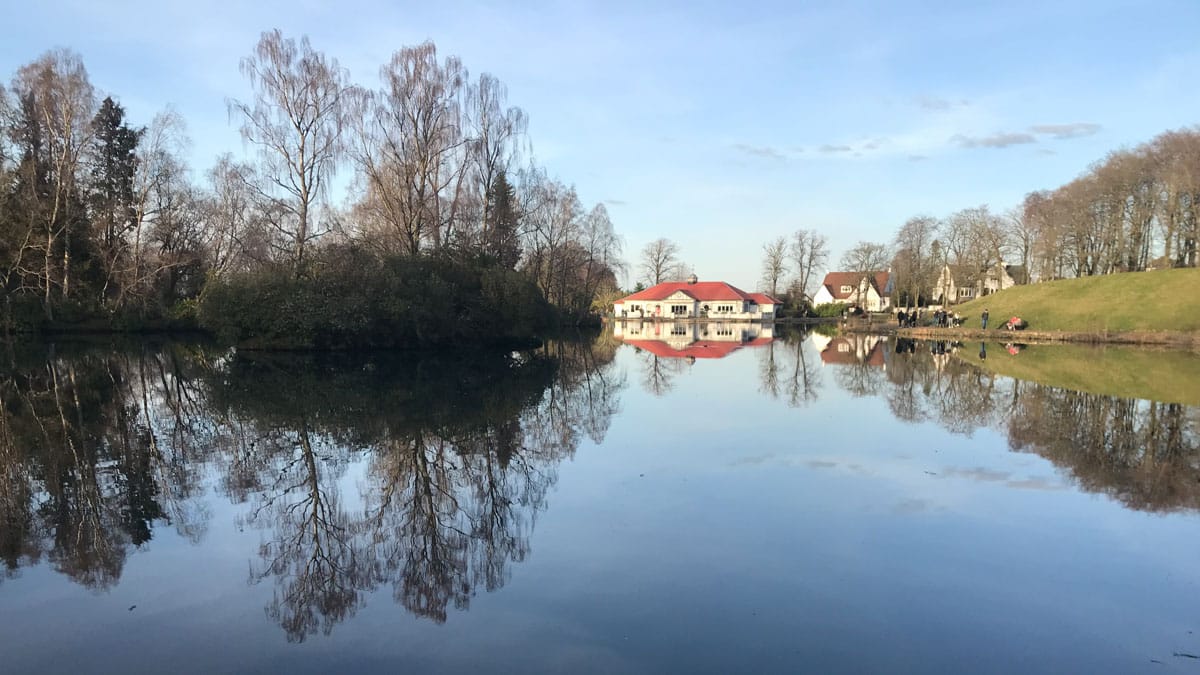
[830, 310]
[351, 299]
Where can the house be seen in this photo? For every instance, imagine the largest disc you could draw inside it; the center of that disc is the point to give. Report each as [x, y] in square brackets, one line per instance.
[872, 291]
[854, 350]
[961, 283]
[695, 299]
[693, 339]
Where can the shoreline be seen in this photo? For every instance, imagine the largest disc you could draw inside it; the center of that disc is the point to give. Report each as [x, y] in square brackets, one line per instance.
[1176, 339]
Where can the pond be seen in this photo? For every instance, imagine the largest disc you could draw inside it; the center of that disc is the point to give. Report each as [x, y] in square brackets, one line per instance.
[693, 498]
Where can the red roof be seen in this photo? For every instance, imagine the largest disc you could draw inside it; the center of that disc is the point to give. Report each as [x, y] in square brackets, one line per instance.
[701, 349]
[763, 299]
[703, 291]
[835, 280]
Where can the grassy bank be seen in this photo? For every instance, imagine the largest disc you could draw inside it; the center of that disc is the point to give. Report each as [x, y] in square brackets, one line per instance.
[1161, 300]
[1169, 376]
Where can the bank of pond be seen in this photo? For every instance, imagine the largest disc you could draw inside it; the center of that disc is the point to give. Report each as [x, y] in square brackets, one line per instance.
[346, 299]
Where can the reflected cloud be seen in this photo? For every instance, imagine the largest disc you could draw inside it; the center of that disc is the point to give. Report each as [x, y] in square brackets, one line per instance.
[977, 473]
[910, 507]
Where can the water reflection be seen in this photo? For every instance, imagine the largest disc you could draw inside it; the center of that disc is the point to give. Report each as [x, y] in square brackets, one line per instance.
[665, 349]
[693, 340]
[457, 453]
[424, 476]
[85, 474]
[1145, 454]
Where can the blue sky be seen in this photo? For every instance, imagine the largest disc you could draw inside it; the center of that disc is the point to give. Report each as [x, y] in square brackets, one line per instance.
[718, 125]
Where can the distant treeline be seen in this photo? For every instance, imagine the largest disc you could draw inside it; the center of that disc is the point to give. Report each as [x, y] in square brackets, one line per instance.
[1137, 209]
[102, 220]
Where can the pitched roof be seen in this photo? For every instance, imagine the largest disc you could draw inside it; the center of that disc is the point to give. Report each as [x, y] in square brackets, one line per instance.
[763, 299]
[703, 291]
[959, 272]
[834, 281]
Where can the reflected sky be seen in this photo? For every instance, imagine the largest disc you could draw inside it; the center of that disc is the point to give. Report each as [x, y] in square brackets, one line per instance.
[815, 503]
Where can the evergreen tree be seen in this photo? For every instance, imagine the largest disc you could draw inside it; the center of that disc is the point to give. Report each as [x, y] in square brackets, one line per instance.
[500, 223]
[111, 193]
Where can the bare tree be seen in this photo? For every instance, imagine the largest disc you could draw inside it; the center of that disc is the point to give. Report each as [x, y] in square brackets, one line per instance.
[296, 120]
[775, 257]
[58, 104]
[1023, 236]
[602, 260]
[159, 181]
[810, 254]
[915, 261]
[496, 136]
[553, 218]
[864, 259]
[660, 261]
[409, 148]
[231, 215]
[1178, 155]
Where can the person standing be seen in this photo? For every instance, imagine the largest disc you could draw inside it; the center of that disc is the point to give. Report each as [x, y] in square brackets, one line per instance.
[985, 317]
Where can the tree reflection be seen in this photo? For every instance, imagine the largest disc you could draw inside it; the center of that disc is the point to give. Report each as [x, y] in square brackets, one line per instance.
[789, 368]
[101, 446]
[83, 476]
[1145, 454]
[658, 372]
[460, 451]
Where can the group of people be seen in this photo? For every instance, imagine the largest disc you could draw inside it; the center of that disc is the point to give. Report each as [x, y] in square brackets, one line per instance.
[940, 318]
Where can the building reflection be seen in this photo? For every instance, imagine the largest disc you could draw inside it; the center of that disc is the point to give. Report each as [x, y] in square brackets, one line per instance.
[425, 476]
[693, 340]
[852, 349]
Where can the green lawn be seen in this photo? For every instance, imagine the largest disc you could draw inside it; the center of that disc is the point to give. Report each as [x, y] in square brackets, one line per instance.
[1162, 300]
[1169, 376]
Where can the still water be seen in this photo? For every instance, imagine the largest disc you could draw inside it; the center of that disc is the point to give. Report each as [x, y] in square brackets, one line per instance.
[667, 499]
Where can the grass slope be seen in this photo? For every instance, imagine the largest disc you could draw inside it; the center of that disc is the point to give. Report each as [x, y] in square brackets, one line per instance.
[1127, 372]
[1162, 300]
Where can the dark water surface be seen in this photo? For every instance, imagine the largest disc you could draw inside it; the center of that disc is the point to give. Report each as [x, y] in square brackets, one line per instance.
[670, 503]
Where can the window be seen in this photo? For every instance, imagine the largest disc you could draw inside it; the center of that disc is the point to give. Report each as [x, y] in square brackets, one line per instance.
[964, 293]
[847, 289]
[679, 309]
[724, 331]
[724, 308]
[678, 330]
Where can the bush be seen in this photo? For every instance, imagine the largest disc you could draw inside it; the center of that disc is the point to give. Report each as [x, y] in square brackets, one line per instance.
[351, 299]
[830, 310]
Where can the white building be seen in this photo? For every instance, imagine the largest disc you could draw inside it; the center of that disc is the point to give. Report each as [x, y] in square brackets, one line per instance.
[872, 292]
[694, 299]
[959, 283]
